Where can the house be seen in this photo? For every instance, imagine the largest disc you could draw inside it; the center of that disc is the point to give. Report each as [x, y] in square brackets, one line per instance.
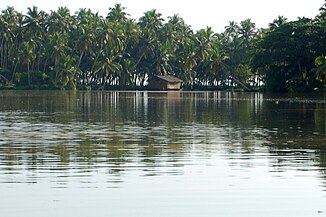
[160, 82]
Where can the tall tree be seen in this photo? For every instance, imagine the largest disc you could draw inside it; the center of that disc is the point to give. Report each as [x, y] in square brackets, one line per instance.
[27, 55]
[286, 56]
[60, 21]
[9, 19]
[36, 32]
[321, 17]
[149, 53]
[280, 20]
[117, 14]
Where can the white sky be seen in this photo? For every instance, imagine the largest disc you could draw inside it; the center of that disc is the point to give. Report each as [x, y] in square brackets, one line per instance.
[198, 14]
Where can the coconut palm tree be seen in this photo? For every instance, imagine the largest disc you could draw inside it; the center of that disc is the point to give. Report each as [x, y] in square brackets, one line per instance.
[106, 41]
[280, 20]
[149, 52]
[60, 21]
[117, 14]
[27, 55]
[232, 29]
[58, 50]
[322, 14]
[247, 31]
[218, 67]
[131, 36]
[204, 44]
[8, 34]
[36, 32]
[84, 34]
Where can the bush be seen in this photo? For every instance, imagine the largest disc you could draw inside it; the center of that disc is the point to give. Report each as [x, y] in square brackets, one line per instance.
[36, 80]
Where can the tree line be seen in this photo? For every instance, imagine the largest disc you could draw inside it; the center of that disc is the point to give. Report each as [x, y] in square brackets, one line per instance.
[84, 50]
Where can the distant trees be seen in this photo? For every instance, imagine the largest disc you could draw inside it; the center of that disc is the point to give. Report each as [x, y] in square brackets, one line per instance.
[287, 52]
[58, 50]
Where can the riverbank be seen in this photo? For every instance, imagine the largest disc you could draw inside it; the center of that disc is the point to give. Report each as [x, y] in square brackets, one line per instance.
[10, 86]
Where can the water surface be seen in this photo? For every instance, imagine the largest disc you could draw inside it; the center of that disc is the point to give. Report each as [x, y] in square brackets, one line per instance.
[161, 154]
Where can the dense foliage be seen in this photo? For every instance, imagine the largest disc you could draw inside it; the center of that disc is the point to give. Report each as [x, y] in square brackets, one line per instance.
[58, 50]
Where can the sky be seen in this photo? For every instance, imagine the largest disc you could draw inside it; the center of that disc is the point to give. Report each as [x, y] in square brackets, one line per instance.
[196, 13]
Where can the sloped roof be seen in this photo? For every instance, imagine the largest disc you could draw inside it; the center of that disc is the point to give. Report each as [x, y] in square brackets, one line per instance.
[168, 78]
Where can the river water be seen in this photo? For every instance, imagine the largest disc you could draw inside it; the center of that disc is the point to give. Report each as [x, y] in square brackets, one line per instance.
[124, 154]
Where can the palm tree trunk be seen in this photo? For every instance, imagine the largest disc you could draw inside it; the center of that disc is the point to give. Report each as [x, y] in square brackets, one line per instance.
[80, 59]
[14, 71]
[6, 56]
[45, 64]
[28, 75]
[95, 61]
[38, 61]
[78, 64]
[1, 54]
[140, 58]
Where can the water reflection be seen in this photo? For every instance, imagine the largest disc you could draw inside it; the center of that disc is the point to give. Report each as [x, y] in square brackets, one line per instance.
[85, 137]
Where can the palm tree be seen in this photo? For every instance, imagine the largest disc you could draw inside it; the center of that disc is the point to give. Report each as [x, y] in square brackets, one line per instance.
[131, 36]
[151, 24]
[108, 69]
[84, 34]
[35, 20]
[180, 49]
[35, 28]
[232, 29]
[127, 33]
[247, 31]
[60, 21]
[322, 14]
[117, 14]
[108, 50]
[69, 73]
[218, 67]
[320, 62]
[8, 31]
[58, 49]
[27, 55]
[171, 38]
[105, 39]
[204, 39]
[280, 20]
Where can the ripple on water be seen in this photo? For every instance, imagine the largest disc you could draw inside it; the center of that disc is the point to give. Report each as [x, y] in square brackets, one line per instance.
[213, 154]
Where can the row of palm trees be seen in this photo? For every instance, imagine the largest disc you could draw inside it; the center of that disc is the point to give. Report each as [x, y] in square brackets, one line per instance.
[86, 50]
[62, 50]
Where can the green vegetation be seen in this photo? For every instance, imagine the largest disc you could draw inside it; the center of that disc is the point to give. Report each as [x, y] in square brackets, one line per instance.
[87, 51]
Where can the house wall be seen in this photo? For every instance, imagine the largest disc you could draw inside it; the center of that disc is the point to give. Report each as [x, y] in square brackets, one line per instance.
[174, 86]
[158, 84]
